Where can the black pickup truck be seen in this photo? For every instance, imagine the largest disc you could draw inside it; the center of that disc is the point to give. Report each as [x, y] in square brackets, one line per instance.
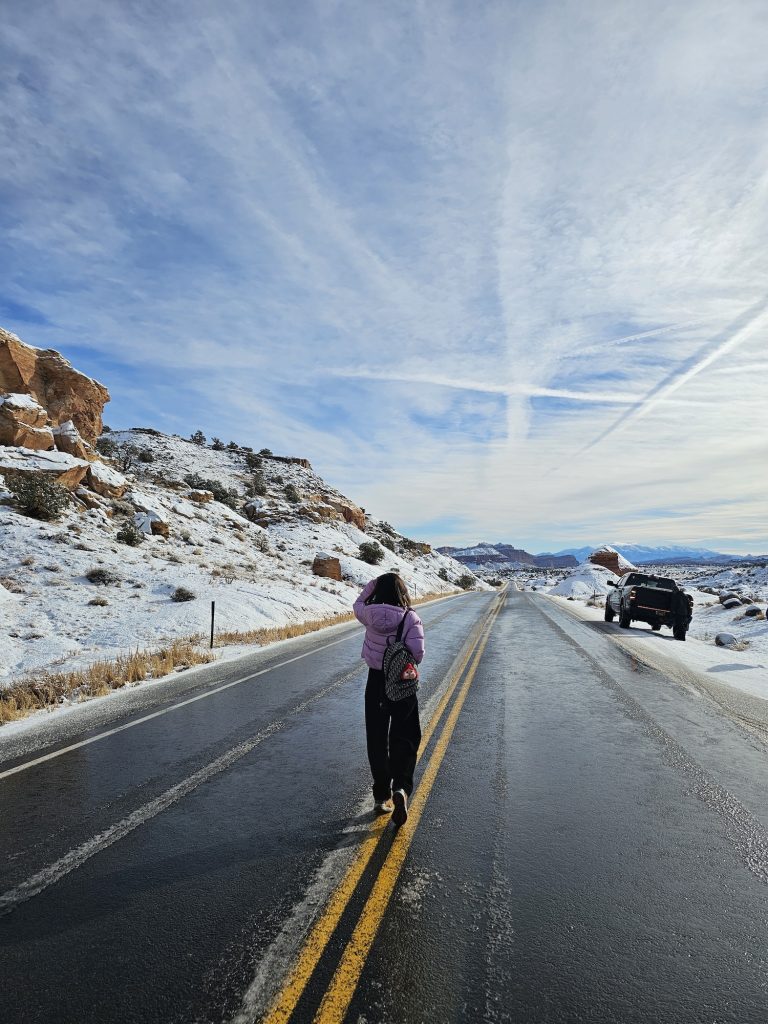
[657, 600]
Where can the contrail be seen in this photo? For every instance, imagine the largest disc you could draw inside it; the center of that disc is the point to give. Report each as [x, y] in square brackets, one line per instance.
[736, 332]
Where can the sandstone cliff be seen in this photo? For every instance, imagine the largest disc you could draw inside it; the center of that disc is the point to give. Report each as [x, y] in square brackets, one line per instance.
[46, 375]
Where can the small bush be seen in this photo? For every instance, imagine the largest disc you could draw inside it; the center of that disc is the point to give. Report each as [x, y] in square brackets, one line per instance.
[130, 534]
[261, 543]
[292, 493]
[99, 602]
[198, 437]
[253, 461]
[388, 543]
[183, 594]
[217, 444]
[37, 496]
[257, 486]
[29, 560]
[371, 552]
[265, 452]
[124, 508]
[226, 495]
[443, 574]
[101, 577]
[146, 455]
[106, 446]
[233, 446]
[466, 581]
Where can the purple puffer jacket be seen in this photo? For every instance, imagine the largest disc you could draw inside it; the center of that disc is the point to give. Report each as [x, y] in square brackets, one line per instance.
[381, 622]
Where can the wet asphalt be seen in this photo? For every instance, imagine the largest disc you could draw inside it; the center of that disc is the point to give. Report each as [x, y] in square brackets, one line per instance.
[594, 848]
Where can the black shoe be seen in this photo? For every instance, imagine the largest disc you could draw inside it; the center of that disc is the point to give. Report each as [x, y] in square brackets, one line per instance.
[400, 813]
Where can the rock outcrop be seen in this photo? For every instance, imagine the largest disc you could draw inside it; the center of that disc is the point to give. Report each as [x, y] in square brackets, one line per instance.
[51, 380]
[23, 423]
[610, 558]
[57, 466]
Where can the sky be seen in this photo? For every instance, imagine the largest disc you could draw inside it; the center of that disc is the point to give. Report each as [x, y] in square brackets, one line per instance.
[498, 269]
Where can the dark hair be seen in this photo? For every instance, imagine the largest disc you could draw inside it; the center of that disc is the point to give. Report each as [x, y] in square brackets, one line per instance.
[390, 589]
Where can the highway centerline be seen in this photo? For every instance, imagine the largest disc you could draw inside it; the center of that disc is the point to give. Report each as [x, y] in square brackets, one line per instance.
[316, 941]
[338, 996]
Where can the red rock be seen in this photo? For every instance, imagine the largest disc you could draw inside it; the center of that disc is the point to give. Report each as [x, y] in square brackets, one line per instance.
[50, 379]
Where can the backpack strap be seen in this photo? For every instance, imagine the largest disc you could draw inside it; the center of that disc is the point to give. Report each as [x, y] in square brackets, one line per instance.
[401, 627]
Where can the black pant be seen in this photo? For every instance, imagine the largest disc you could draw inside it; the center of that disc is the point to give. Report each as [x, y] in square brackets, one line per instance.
[393, 734]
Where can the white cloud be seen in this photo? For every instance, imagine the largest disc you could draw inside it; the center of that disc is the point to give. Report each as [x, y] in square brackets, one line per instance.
[443, 251]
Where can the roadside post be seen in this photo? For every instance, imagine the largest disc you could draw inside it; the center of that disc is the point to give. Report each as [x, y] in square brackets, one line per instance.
[213, 617]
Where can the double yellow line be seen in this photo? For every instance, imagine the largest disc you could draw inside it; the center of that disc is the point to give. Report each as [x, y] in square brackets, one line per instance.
[339, 994]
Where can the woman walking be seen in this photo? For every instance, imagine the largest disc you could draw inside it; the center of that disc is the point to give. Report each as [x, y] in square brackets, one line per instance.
[392, 728]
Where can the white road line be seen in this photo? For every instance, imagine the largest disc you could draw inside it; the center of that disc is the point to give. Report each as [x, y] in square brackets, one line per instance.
[53, 873]
[164, 711]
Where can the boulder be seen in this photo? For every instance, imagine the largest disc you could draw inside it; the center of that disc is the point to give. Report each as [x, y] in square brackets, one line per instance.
[731, 602]
[327, 566]
[725, 640]
[67, 439]
[63, 469]
[753, 611]
[106, 481]
[22, 423]
[51, 380]
[727, 595]
[151, 523]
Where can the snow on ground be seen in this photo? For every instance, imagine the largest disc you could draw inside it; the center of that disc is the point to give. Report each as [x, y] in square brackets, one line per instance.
[744, 666]
[745, 670]
[585, 581]
[257, 577]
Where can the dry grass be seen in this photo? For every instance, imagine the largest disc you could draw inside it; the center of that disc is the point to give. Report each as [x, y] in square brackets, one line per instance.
[272, 634]
[46, 689]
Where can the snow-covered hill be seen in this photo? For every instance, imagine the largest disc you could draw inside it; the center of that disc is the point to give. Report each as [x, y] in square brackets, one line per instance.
[641, 554]
[254, 559]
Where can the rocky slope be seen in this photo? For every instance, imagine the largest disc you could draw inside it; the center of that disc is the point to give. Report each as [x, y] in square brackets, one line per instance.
[150, 516]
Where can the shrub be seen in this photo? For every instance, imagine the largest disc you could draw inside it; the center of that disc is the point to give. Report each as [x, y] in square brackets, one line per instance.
[99, 602]
[466, 581]
[292, 494]
[266, 452]
[217, 444]
[182, 594]
[198, 437]
[388, 543]
[106, 446]
[101, 577]
[253, 461]
[371, 552]
[233, 446]
[125, 508]
[226, 495]
[37, 496]
[257, 486]
[261, 542]
[443, 574]
[146, 455]
[130, 534]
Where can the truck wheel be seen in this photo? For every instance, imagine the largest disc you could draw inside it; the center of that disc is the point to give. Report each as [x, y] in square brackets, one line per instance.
[610, 614]
[624, 619]
[678, 632]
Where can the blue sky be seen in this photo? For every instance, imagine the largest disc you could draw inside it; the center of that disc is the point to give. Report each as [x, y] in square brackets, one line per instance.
[497, 269]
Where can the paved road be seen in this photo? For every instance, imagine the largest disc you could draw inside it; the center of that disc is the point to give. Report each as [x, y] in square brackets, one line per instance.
[588, 842]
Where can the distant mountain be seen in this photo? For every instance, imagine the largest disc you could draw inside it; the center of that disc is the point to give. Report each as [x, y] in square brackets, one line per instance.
[671, 553]
[505, 556]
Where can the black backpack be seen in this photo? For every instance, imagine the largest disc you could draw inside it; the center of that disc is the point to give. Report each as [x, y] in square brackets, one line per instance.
[396, 657]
